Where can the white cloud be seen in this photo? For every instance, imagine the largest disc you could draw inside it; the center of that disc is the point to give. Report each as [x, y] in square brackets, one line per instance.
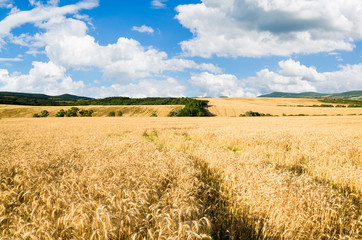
[34, 52]
[294, 77]
[17, 59]
[26, 40]
[290, 68]
[255, 28]
[346, 79]
[35, 3]
[267, 81]
[53, 2]
[144, 88]
[210, 85]
[158, 4]
[6, 3]
[68, 45]
[143, 29]
[43, 78]
[84, 18]
[42, 13]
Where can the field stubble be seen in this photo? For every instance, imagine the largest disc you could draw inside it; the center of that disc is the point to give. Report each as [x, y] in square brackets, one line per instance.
[181, 178]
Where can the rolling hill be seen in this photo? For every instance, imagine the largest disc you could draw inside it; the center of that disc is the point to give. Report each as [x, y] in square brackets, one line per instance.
[233, 107]
[66, 97]
[344, 95]
[29, 99]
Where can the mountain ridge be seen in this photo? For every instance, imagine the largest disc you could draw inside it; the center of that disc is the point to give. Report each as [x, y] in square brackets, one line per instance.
[344, 95]
[30, 99]
[66, 96]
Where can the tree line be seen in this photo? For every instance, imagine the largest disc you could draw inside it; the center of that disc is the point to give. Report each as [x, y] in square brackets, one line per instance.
[34, 101]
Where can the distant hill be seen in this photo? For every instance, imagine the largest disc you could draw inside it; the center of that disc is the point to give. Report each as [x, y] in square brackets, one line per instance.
[344, 95]
[29, 99]
[66, 97]
[15, 98]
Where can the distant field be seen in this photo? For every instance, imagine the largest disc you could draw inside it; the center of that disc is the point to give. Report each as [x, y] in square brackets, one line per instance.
[181, 178]
[16, 111]
[231, 107]
[220, 107]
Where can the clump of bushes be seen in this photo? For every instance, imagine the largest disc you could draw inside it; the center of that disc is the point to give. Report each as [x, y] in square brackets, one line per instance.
[86, 113]
[305, 115]
[172, 114]
[326, 105]
[153, 115]
[73, 112]
[193, 108]
[61, 113]
[255, 114]
[113, 114]
[322, 105]
[298, 115]
[42, 114]
[350, 102]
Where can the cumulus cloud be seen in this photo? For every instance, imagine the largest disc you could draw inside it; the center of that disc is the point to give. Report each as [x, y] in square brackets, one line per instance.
[143, 29]
[295, 77]
[144, 88]
[42, 13]
[43, 77]
[65, 41]
[216, 85]
[68, 45]
[158, 4]
[255, 28]
[292, 76]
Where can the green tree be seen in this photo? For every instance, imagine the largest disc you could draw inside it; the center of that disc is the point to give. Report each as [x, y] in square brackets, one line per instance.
[44, 113]
[60, 113]
[86, 113]
[72, 112]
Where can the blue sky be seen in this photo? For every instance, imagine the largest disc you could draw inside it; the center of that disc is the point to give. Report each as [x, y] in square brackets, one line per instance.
[143, 48]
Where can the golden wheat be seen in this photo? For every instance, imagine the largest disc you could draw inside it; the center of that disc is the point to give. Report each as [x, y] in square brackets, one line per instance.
[181, 178]
[16, 111]
[233, 107]
[220, 107]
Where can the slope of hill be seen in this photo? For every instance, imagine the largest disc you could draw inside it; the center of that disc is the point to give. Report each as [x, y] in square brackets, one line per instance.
[29, 99]
[39, 99]
[67, 97]
[344, 95]
[13, 111]
[233, 107]
[218, 107]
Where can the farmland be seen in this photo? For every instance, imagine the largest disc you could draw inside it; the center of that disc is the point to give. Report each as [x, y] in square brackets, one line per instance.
[233, 107]
[218, 107]
[16, 111]
[181, 178]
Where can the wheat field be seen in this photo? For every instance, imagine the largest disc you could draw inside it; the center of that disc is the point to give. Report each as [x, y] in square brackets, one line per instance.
[218, 107]
[233, 107]
[181, 178]
[20, 111]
